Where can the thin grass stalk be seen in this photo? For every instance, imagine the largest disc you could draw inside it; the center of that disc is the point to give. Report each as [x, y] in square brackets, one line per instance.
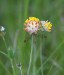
[50, 70]
[10, 61]
[30, 60]
[2, 64]
[57, 48]
[12, 67]
[8, 56]
[26, 3]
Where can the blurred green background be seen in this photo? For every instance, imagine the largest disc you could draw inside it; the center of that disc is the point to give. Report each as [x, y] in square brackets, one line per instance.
[13, 14]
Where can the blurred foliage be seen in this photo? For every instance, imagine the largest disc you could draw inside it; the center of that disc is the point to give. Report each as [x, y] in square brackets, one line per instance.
[13, 13]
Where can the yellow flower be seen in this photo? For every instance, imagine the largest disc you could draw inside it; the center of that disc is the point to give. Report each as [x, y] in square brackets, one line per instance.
[32, 25]
[46, 25]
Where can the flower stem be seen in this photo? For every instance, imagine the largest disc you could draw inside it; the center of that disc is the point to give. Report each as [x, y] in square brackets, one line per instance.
[34, 57]
[4, 41]
[20, 71]
[30, 56]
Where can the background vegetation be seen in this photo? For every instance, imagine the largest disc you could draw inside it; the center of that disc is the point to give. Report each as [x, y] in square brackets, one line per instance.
[13, 13]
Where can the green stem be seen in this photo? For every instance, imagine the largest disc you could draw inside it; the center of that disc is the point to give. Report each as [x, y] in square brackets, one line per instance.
[52, 54]
[50, 70]
[4, 41]
[30, 56]
[5, 56]
[41, 56]
[26, 2]
[10, 61]
[8, 56]
[20, 71]
[34, 57]
[12, 67]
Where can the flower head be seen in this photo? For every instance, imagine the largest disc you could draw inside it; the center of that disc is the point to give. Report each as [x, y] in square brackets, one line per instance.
[32, 25]
[47, 26]
[2, 28]
[2, 31]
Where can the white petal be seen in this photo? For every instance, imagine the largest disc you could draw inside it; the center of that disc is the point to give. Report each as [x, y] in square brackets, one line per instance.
[43, 22]
[2, 28]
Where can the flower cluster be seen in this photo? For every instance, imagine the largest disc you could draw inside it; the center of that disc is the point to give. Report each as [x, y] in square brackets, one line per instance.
[33, 24]
[47, 26]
